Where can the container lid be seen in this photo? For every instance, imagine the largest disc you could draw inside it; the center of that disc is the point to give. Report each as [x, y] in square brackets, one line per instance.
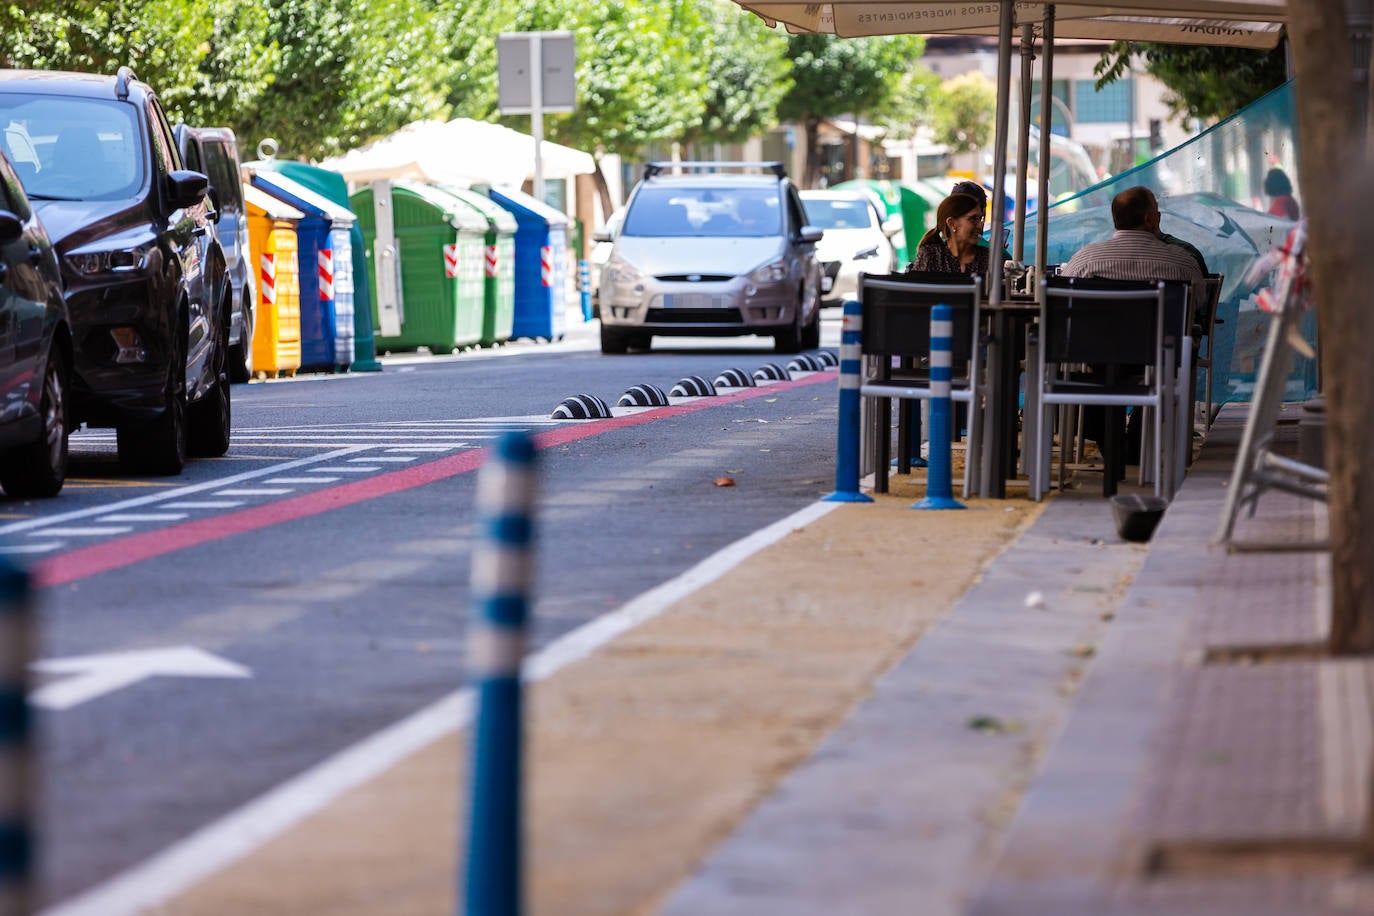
[328, 184]
[520, 201]
[298, 195]
[273, 207]
[459, 214]
[494, 212]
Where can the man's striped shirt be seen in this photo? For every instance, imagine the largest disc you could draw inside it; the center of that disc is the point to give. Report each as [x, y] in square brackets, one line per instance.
[1137, 254]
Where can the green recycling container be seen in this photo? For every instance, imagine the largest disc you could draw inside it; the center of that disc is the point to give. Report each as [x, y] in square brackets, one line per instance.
[498, 288]
[440, 244]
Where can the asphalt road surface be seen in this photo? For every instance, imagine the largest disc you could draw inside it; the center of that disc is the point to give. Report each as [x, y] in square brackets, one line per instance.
[207, 637]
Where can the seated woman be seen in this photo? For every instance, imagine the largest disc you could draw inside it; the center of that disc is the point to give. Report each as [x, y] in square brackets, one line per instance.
[953, 245]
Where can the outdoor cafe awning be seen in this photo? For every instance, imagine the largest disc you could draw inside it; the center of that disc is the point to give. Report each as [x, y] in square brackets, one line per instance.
[1243, 23]
[1248, 24]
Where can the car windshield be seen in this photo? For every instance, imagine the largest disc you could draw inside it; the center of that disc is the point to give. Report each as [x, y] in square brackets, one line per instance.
[705, 212]
[838, 213]
[72, 148]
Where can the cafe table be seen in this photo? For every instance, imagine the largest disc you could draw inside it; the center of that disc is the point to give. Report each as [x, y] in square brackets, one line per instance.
[1009, 323]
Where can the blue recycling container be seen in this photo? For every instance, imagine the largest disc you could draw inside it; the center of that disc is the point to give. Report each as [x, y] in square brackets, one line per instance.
[331, 185]
[326, 265]
[541, 258]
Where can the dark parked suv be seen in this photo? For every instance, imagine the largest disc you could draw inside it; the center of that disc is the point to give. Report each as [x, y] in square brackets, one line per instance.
[35, 350]
[215, 151]
[146, 286]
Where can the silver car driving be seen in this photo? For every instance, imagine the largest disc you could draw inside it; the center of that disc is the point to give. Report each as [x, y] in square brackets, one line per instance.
[717, 251]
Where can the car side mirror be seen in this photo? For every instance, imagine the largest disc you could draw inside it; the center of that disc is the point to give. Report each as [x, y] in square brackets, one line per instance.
[11, 227]
[812, 234]
[187, 188]
[603, 235]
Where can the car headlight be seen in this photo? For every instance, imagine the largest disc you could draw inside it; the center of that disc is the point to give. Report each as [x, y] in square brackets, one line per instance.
[770, 273]
[110, 261]
[619, 270]
[866, 253]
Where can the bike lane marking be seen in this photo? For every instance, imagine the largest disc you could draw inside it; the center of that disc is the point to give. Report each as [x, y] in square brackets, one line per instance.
[125, 551]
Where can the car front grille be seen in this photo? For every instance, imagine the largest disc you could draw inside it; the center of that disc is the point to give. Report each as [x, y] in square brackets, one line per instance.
[693, 316]
[694, 278]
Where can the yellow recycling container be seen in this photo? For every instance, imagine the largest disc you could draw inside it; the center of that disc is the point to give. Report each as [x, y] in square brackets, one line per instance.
[273, 246]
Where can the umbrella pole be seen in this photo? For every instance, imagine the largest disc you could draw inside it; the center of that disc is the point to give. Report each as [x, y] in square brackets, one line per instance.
[1042, 209]
[1018, 244]
[991, 469]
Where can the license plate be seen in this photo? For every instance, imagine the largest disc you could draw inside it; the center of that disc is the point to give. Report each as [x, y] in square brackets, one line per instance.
[687, 301]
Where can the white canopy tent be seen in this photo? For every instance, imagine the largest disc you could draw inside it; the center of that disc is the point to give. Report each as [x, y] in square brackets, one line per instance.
[458, 152]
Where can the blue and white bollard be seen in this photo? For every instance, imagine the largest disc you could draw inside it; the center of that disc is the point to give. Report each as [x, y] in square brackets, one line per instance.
[940, 474]
[584, 284]
[851, 378]
[502, 570]
[16, 755]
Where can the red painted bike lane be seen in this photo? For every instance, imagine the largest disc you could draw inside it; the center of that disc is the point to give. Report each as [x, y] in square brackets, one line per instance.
[135, 548]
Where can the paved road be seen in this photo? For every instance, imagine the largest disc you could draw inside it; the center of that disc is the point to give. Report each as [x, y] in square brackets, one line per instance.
[311, 587]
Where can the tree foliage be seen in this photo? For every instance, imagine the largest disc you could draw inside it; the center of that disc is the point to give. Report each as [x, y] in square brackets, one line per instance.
[1204, 82]
[966, 113]
[838, 76]
[747, 75]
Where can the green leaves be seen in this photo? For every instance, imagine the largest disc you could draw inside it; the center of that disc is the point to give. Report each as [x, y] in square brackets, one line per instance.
[1206, 82]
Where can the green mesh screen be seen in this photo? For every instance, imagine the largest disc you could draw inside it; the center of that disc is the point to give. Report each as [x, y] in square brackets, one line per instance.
[1211, 193]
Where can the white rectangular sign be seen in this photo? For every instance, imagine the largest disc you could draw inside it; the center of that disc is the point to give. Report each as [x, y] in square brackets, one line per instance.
[514, 71]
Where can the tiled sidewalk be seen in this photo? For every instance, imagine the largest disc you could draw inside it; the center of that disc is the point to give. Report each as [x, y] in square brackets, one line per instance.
[1218, 760]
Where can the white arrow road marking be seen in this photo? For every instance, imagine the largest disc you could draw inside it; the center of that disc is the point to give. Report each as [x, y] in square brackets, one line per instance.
[96, 675]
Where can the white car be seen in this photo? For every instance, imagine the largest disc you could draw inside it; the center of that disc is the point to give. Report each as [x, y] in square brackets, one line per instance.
[854, 241]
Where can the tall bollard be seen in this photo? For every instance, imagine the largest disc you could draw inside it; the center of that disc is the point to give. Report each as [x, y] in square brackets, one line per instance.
[939, 476]
[584, 283]
[16, 759]
[851, 372]
[502, 568]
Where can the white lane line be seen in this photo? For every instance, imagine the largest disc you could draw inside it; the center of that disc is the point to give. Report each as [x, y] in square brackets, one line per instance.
[345, 470]
[255, 491]
[166, 496]
[301, 480]
[219, 844]
[392, 458]
[143, 517]
[29, 548]
[207, 504]
[90, 531]
[425, 448]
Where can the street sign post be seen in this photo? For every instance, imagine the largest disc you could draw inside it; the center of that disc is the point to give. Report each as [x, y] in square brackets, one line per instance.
[536, 73]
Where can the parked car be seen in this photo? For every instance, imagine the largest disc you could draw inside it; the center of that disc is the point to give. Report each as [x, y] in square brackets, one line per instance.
[215, 151]
[854, 241]
[723, 249]
[146, 286]
[35, 350]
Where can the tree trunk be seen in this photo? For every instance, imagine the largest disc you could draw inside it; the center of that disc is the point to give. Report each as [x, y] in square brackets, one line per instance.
[603, 190]
[1335, 171]
[811, 131]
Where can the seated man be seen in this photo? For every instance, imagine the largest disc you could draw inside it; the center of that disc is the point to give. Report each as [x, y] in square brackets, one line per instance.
[1136, 251]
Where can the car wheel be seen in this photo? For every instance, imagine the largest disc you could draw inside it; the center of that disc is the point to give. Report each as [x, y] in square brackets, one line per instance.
[159, 447]
[811, 335]
[241, 353]
[208, 436]
[40, 468]
[614, 341]
[790, 341]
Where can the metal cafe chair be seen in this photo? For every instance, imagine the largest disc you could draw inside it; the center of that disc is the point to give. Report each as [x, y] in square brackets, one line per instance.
[895, 344]
[1116, 327]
